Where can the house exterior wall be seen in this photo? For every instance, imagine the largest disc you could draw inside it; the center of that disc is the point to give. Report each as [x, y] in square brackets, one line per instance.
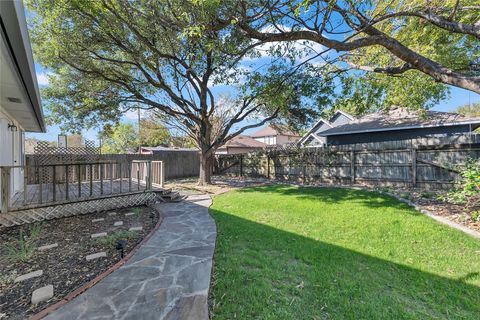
[282, 139]
[12, 149]
[270, 140]
[395, 135]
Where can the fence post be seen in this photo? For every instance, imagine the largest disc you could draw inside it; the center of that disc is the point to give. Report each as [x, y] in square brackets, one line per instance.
[5, 189]
[268, 166]
[414, 167]
[304, 167]
[352, 165]
[241, 165]
[67, 189]
[149, 179]
[162, 174]
[25, 184]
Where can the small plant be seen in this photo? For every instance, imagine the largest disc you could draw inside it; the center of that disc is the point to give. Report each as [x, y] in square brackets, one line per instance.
[20, 249]
[6, 279]
[137, 211]
[24, 247]
[112, 239]
[475, 215]
[425, 195]
[34, 230]
[404, 195]
[386, 190]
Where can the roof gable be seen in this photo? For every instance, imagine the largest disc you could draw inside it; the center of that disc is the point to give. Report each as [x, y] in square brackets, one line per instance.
[273, 130]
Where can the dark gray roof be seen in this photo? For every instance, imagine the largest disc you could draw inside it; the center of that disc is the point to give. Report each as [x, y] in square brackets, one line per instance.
[400, 119]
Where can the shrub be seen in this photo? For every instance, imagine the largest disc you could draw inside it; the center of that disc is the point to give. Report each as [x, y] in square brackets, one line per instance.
[467, 191]
[137, 211]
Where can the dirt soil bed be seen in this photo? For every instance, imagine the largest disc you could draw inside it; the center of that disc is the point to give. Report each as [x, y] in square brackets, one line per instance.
[65, 266]
[432, 202]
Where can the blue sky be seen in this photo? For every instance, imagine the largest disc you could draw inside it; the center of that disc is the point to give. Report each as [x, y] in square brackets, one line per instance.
[457, 97]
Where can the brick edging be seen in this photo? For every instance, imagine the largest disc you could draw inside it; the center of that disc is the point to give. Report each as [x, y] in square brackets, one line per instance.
[43, 313]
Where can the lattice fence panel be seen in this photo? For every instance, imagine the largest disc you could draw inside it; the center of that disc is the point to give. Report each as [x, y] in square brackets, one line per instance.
[71, 209]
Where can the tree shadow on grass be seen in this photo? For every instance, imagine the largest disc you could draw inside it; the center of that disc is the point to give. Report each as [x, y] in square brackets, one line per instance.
[265, 273]
[370, 199]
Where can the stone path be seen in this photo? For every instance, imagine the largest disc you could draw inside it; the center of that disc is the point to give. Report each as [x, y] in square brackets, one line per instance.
[167, 278]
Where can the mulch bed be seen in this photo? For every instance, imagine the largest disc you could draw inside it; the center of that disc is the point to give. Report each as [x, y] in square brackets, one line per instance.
[65, 266]
[433, 204]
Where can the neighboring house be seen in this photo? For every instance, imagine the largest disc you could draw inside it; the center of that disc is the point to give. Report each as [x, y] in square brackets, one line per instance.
[241, 144]
[399, 124]
[275, 135]
[314, 138]
[20, 105]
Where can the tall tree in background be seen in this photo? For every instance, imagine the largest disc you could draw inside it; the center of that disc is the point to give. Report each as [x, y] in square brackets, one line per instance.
[120, 138]
[110, 56]
[153, 133]
[470, 110]
[437, 38]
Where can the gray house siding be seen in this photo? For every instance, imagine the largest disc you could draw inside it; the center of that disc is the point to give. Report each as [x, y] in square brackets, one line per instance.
[392, 135]
[339, 119]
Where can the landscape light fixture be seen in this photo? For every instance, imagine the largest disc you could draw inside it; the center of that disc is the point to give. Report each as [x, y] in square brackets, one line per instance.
[120, 247]
[152, 216]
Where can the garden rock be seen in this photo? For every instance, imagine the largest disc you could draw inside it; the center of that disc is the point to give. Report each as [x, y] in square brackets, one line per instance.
[27, 276]
[98, 220]
[98, 235]
[42, 294]
[118, 223]
[48, 246]
[135, 229]
[96, 255]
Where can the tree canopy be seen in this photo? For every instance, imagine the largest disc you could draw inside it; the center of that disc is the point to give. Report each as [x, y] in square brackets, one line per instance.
[438, 38]
[108, 57]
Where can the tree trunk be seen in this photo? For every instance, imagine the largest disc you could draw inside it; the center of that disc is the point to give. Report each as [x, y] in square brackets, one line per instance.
[206, 168]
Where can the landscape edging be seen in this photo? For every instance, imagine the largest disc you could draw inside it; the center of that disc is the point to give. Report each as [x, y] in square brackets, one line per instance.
[43, 313]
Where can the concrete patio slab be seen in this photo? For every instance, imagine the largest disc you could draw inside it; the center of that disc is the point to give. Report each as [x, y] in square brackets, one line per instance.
[167, 278]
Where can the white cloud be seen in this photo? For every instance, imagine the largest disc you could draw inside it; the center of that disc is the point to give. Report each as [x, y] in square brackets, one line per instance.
[42, 78]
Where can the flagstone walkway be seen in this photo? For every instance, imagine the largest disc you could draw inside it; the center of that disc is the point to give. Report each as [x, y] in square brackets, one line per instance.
[167, 278]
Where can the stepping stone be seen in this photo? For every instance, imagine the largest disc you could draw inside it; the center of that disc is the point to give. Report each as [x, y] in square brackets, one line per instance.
[96, 255]
[113, 213]
[129, 214]
[27, 276]
[135, 229]
[42, 294]
[48, 246]
[98, 220]
[98, 235]
[118, 224]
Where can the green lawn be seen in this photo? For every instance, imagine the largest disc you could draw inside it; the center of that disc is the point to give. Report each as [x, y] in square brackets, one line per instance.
[314, 253]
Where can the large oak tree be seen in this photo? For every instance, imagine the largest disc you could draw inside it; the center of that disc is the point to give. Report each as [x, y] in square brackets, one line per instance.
[109, 56]
[439, 38]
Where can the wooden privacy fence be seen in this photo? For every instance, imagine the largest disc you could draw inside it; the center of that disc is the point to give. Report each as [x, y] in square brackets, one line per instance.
[427, 166]
[177, 164]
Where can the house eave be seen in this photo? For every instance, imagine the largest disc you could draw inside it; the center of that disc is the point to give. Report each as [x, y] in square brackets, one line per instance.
[14, 31]
[401, 128]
